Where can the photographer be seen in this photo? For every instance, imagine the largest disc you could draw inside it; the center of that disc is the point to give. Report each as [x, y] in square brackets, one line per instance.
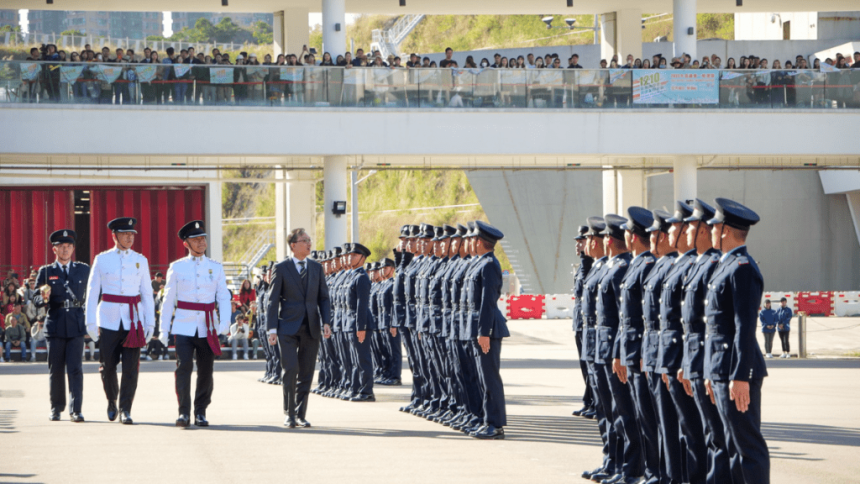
[37, 337]
[16, 336]
[239, 333]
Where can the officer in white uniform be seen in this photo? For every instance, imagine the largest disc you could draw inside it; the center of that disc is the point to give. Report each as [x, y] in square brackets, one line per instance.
[194, 285]
[125, 314]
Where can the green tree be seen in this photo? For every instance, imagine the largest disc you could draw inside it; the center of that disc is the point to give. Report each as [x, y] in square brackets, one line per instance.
[226, 30]
[263, 33]
[74, 32]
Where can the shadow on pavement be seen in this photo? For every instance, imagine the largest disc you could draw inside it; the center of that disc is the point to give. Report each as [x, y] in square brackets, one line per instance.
[810, 434]
[553, 430]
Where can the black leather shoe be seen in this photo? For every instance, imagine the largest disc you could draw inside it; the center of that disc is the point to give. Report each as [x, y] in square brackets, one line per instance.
[579, 412]
[55, 416]
[630, 480]
[363, 398]
[611, 479]
[591, 415]
[588, 474]
[112, 411]
[302, 423]
[125, 418]
[489, 433]
[599, 476]
[182, 421]
[200, 421]
[394, 383]
[290, 422]
[469, 430]
[406, 409]
[76, 417]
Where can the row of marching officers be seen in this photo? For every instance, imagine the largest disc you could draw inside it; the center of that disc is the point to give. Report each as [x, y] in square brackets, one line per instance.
[665, 316]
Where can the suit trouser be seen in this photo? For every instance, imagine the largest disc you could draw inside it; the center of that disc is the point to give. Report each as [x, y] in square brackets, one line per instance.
[395, 361]
[626, 427]
[472, 380]
[66, 355]
[362, 371]
[719, 453]
[602, 401]
[646, 417]
[298, 359]
[692, 431]
[744, 432]
[489, 366]
[111, 353]
[189, 348]
[587, 398]
[671, 458]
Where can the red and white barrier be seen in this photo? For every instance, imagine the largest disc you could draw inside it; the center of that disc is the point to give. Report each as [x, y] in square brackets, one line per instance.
[526, 307]
[846, 303]
[558, 306]
[775, 296]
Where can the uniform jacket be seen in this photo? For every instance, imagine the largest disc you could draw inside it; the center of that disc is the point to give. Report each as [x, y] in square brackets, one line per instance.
[63, 322]
[671, 353]
[358, 317]
[651, 290]
[385, 298]
[608, 294]
[735, 288]
[434, 297]
[337, 306]
[445, 297]
[768, 320]
[458, 297]
[290, 303]
[632, 325]
[409, 290]
[490, 320]
[693, 312]
[195, 280]
[588, 308]
[399, 290]
[121, 273]
[578, 284]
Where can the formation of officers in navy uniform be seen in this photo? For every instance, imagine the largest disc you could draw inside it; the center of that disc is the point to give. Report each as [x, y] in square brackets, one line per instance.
[665, 319]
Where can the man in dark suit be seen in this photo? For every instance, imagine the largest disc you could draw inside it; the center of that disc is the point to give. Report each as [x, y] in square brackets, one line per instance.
[298, 301]
[63, 285]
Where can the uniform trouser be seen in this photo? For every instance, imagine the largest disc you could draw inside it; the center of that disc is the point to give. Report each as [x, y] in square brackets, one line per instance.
[692, 432]
[329, 363]
[471, 379]
[768, 343]
[719, 470]
[64, 356]
[378, 352]
[395, 359]
[438, 394]
[744, 432]
[444, 371]
[456, 393]
[362, 371]
[602, 401]
[489, 366]
[413, 364]
[646, 417]
[587, 399]
[671, 458]
[267, 353]
[346, 365]
[783, 338]
[276, 360]
[298, 358]
[626, 427]
[189, 348]
[323, 358]
[418, 345]
[111, 353]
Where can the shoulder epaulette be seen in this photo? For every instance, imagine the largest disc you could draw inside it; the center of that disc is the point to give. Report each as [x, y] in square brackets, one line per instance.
[742, 260]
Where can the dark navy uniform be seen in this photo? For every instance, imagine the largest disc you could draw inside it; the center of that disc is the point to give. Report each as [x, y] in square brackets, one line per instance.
[393, 366]
[358, 318]
[585, 263]
[732, 352]
[65, 327]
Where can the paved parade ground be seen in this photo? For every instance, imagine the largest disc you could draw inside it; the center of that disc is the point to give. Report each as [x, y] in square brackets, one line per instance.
[810, 421]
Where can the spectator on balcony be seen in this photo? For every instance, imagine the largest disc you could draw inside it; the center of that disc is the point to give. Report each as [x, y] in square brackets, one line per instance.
[247, 295]
[448, 60]
[15, 337]
[346, 61]
[360, 58]
[326, 60]
[239, 334]
[767, 316]
[573, 62]
[37, 337]
[783, 326]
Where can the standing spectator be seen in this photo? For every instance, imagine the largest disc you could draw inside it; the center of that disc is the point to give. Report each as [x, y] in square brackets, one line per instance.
[447, 61]
[247, 295]
[37, 338]
[15, 336]
[768, 327]
[239, 334]
[783, 321]
[89, 343]
[157, 283]
[254, 334]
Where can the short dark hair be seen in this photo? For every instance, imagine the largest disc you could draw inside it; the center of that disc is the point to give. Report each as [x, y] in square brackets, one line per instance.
[767, 301]
[447, 49]
[294, 235]
[783, 300]
[170, 51]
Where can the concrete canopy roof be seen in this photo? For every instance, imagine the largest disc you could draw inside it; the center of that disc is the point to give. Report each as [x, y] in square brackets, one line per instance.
[438, 7]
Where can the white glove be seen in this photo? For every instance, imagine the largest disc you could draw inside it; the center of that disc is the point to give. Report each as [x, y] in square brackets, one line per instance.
[224, 329]
[94, 334]
[147, 334]
[163, 338]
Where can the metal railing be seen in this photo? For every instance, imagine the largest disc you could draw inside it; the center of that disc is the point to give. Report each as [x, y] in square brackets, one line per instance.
[420, 88]
[388, 41]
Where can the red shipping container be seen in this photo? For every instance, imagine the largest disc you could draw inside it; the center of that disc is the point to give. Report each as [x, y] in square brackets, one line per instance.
[816, 303]
[526, 307]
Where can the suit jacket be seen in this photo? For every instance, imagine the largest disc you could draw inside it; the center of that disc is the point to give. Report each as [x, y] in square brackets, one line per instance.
[289, 303]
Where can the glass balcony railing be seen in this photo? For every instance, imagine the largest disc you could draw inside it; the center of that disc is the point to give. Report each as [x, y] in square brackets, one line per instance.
[283, 86]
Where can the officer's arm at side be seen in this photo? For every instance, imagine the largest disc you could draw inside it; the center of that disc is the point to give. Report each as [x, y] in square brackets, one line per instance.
[147, 302]
[222, 295]
[323, 300]
[491, 278]
[94, 289]
[169, 302]
[362, 299]
[746, 287]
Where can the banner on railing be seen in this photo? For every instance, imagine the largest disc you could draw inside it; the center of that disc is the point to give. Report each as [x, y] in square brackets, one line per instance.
[70, 73]
[30, 70]
[675, 87]
[108, 73]
[294, 74]
[181, 69]
[220, 75]
[145, 73]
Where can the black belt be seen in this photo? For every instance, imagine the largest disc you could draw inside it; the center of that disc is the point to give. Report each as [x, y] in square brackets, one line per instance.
[68, 304]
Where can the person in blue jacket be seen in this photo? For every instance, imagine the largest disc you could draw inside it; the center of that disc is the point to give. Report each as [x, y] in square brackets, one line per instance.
[783, 326]
[767, 316]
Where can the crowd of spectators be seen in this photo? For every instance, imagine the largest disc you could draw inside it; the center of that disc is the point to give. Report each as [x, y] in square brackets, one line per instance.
[261, 86]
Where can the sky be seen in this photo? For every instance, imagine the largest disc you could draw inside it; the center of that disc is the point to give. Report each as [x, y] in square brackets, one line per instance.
[314, 18]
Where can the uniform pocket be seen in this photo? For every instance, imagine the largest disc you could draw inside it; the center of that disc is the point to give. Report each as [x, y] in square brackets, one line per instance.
[632, 346]
[720, 355]
[604, 346]
[695, 353]
[650, 347]
[588, 344]
[670, 347]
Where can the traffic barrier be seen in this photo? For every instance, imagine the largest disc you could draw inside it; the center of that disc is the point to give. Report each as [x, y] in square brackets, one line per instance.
[503, 304]
[558, 306]
[846, 303]
[775, 296]
[526, 307]
[814, 303]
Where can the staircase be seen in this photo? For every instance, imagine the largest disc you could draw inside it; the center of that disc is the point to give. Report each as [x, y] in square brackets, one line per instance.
[388, 41]
[513, 257]
[239, 271]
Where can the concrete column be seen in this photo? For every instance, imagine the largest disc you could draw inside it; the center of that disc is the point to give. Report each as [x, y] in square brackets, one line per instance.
[610, 199]
[630, 190]
[213, 221]
[621, 33]
[684, 177]
[295, 207]
[607, 36]
[334, 27]
[290, 31]
[684, 14]
[334, 177]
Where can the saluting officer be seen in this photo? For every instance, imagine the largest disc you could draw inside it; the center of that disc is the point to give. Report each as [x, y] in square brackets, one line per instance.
[585, 263]
[195, 284]
[125, 314]
[734, 366]
[62, 293]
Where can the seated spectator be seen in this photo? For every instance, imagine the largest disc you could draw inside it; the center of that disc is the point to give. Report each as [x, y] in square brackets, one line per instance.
[247, 295]
[19, 317]
[156, 348]
[8, 293]
[15, 337]
[37, 338]
[239, 333]
[768, 327]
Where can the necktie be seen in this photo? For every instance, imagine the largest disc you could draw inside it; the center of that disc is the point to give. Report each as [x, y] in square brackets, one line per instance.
[66, 271]
[304, 273]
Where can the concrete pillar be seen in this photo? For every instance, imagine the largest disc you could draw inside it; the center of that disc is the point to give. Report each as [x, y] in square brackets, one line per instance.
[334, 177]
[621, 33]
[610, 199]
[630, 190]
[213, 221]
[334, 27]
[684, 177]
[684, 14]
[295, 207]
[290, 31]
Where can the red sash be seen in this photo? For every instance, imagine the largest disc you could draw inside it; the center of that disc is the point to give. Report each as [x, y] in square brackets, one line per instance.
[136, 337]
[211, 333]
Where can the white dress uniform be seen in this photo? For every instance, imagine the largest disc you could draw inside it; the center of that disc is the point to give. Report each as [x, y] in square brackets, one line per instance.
[121, 273]
[195, 280]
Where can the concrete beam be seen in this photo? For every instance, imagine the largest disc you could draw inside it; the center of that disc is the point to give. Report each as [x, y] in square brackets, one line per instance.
[290, 30]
